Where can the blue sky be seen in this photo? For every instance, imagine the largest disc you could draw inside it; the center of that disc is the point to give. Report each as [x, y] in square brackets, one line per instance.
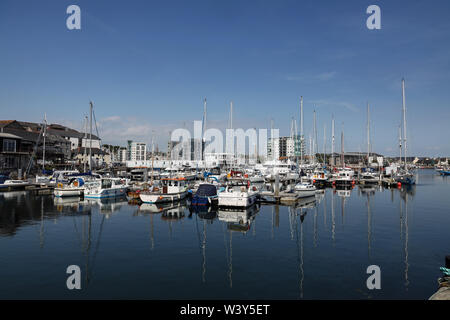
[147, 65]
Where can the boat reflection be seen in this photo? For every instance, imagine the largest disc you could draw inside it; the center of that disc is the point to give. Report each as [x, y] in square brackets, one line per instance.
[71, 205]
[238, 220]
[107, 206]
[204, 212]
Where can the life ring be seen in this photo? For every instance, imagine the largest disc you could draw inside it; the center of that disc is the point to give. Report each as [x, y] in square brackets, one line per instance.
[75, 183]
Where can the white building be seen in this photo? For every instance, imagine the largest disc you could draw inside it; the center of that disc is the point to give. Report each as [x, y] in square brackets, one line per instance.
[280, 148]
[138, 151]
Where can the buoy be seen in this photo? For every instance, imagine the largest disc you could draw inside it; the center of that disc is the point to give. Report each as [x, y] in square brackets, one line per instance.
[399, 184]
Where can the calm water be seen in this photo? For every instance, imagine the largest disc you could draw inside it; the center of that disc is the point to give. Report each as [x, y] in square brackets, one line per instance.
[315, 251]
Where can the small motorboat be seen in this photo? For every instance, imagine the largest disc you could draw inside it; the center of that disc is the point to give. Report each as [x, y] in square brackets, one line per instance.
[206, 195]
[305, 189]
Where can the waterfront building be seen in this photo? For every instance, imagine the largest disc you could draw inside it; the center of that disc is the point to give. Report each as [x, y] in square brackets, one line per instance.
[137, 151]
[280, 148]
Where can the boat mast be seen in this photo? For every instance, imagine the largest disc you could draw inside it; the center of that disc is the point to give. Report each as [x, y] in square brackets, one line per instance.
[400, 143]
[90, 137]
[368, 134]
[404, 119]
[324, 142]
[332, 139]
[153, 155]
[342, 146]
[203, 130]
[231, 127]
[314, 137]
[301, 130]
[85, 138]
[45, 133]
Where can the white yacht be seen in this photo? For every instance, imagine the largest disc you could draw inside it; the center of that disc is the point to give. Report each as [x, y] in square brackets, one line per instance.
[172, 189]
[369, 177]
[74, 188]
[57, 176]
[238, 193]
[14, 184]
[305, 189]
[105, 188]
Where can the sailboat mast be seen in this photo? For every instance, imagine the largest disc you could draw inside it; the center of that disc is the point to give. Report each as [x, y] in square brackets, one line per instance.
[153, 155]
[85, 137]
[301, 130]
[314, 137]
[90, 137]
[342, 147]
[368, 133]
[332, 139]
[324, 142]
[45, 133]
[400, 143]
[404, 118]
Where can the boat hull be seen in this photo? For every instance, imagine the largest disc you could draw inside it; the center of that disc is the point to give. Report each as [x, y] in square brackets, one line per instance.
[106, 193]
[162, 197]
[305, 193]
[72, 192]
[237, 200]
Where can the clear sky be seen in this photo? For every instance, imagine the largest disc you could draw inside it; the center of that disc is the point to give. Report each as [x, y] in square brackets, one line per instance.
[147, 65]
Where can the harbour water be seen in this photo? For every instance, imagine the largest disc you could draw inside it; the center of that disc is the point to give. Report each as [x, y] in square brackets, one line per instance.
[317, 250]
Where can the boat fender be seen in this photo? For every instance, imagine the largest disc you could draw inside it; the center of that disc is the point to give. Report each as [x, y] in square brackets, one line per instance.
[60, 185]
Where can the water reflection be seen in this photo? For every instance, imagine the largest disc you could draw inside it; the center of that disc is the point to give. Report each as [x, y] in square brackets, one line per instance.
[301, 235]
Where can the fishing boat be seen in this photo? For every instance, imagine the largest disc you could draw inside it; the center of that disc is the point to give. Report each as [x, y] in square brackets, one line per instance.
[172, 189]
[344, 177]
[319, 177]
[105, 188]
[238, 193]
[405, 177]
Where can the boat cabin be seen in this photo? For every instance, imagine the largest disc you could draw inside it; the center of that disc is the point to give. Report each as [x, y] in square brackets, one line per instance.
[173, 185]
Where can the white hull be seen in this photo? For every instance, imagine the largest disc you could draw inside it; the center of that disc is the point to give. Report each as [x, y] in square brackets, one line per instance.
[237, 199]
[162, 197]
[105, 193]
[69, 192]
[305, 193]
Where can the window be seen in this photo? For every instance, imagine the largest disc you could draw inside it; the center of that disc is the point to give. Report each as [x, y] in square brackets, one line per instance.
[9, 145]
[10, 162]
